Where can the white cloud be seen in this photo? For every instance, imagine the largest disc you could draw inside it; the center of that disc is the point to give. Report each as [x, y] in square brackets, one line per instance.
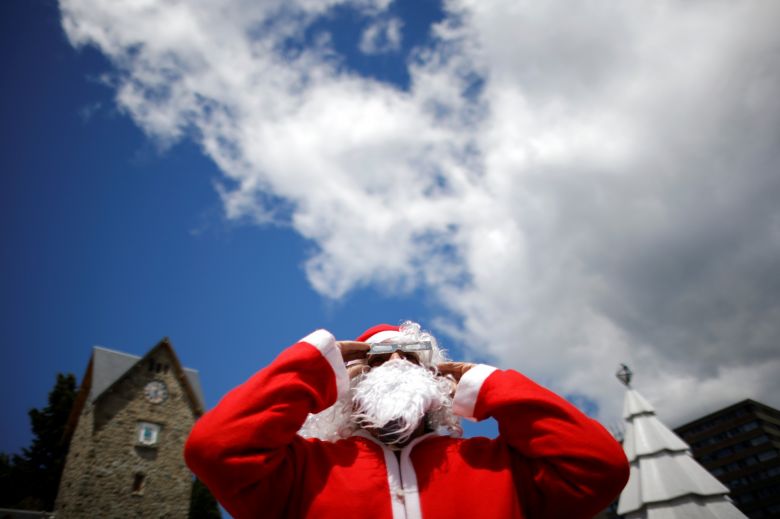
[608, 194]
[381, 36]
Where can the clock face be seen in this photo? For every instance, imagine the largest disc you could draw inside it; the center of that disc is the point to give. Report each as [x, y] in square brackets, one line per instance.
[156, 392]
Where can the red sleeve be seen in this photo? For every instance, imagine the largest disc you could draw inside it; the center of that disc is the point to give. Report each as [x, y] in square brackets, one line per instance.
[245, 449]
[567, 465]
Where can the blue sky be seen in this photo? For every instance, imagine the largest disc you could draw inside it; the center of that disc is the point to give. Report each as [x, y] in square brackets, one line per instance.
[554, 188]
[110, 240]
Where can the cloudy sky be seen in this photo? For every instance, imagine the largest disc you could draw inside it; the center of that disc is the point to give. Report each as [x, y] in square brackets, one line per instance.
[554, 187]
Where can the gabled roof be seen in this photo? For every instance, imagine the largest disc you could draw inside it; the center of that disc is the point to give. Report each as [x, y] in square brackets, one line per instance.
[665, 481]
[110, 365]
[107, 366]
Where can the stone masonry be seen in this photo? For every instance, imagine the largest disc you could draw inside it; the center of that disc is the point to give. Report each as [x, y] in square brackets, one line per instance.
[109, 472]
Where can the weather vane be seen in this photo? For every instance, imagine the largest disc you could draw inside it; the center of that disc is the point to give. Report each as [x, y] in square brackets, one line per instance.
[624, 374]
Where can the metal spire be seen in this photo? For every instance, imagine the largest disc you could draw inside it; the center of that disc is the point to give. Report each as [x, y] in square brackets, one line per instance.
[624, 374]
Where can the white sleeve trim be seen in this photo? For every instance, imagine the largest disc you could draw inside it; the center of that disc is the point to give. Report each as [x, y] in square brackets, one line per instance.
[324, 341]
[468, 388]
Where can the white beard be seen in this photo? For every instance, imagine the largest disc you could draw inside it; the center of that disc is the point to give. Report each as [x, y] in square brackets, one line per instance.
[394, 398]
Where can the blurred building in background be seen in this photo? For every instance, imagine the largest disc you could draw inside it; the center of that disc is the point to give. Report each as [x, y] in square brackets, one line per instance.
[131, 418]
[666, 482]
[740, 445]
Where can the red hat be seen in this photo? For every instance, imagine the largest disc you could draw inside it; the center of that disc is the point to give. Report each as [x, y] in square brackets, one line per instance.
[374, 330]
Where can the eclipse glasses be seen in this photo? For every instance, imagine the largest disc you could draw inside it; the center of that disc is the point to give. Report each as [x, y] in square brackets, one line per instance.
[383, 348]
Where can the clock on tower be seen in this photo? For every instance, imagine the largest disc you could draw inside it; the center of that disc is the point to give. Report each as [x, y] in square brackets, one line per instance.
[156, 392]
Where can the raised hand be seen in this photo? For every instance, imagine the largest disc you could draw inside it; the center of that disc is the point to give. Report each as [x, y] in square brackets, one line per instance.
[456, 369]
[353, 352]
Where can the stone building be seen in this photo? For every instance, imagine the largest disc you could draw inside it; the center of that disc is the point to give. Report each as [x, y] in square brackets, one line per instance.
[129, 423]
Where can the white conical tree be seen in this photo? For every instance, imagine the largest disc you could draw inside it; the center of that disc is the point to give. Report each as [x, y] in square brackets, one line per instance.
[665, 482]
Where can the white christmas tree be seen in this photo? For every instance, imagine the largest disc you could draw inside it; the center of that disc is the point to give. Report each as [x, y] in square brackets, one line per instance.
[665, 482]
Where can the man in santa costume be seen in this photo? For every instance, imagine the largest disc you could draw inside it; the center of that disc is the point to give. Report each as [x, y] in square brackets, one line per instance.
[370, 429]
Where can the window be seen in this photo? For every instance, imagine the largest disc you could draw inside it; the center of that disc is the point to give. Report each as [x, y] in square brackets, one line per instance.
[758, 440]
[767, 455]
[139, 481]
[767, 491]
[722, 453]
[148, 433]
[749, 426]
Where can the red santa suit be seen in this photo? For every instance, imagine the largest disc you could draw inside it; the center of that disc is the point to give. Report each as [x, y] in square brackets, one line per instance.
[549, 460]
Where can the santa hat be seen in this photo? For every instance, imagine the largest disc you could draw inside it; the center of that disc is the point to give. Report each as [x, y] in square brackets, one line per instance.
[408, 330]
[379, 333]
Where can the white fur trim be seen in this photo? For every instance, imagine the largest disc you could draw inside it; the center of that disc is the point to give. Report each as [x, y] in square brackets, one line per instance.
[383, 335]
[324, 341]
[468, 390]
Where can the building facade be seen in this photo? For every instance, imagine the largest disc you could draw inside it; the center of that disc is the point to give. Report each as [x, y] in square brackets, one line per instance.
[129, 424]
[740, 445]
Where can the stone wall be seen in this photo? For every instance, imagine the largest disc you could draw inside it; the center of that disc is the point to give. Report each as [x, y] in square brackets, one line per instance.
[74, 483]
[106, 458]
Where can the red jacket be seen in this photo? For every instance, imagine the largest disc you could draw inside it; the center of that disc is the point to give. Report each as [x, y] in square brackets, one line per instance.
[549, 460]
